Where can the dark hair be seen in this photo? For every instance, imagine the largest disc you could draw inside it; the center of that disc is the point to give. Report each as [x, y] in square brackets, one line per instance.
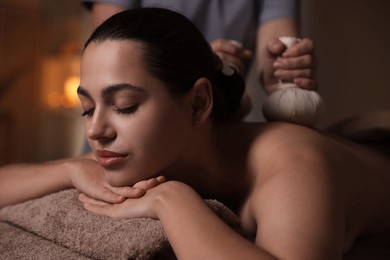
[176, 52]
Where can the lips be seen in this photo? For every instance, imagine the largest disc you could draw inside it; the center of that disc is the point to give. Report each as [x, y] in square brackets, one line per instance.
[110, 159]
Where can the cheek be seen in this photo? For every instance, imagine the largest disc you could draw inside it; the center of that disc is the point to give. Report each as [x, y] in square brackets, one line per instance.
[156, 138]
[168, 133]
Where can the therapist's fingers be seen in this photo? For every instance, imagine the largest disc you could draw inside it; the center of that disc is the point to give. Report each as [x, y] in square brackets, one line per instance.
[232, 52]
[275, 47]
[228, 46]
[304, 46]
[300, 62]
[306, 83]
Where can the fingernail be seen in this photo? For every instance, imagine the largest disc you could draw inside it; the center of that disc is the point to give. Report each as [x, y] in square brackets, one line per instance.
[236, 43]
[141, 191]
[277, 64]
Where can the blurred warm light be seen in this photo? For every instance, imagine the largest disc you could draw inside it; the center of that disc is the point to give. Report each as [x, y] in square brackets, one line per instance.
[54, 99]
[69, 98]
[60, 79]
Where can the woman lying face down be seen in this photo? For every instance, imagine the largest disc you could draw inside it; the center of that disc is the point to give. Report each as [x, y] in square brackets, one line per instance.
[157, 102]
[134, 125]
[152, 95]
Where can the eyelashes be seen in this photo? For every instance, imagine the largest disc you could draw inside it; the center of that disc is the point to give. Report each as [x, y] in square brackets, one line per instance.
[124, 111]
[87, 112]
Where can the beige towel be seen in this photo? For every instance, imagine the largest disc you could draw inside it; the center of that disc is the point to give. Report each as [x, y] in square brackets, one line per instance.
[57, 227]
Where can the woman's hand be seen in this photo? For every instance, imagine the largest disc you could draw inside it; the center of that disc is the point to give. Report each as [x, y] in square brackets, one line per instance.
[87, 176]
[131, 207]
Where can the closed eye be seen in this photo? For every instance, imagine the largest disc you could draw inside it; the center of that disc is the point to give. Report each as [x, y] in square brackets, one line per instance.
[126, 110]
[88, 112]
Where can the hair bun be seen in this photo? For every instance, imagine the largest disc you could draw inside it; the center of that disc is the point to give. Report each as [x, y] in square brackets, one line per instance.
[230, 87]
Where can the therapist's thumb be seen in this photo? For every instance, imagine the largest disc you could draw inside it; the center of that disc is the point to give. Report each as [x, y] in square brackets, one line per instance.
[276, 47]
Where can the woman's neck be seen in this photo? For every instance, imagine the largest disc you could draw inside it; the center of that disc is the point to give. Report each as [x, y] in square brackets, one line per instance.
[215, 167]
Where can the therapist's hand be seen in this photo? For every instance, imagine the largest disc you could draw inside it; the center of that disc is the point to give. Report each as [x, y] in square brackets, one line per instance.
[296, 64]
[232, 52]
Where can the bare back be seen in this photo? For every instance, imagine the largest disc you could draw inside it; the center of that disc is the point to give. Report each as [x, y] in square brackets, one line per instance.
[326, 191]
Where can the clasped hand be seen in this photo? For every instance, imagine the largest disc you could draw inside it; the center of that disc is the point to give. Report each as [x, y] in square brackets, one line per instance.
[296, 64]
[100, 197]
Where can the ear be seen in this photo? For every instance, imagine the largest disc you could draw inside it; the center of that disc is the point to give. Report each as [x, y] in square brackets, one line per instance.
[201, 100]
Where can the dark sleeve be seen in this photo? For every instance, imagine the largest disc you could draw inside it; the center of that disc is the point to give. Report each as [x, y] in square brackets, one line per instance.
[127, 4]
[274, 9]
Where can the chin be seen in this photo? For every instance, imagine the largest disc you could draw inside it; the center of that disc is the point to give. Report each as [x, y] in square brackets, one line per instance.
[117, 179]
[121, 179]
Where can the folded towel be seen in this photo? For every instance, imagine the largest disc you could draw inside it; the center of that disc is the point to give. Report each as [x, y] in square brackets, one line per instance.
[57, 227]
[16, 243]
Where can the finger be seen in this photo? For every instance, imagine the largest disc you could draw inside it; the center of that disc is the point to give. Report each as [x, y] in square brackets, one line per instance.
[300, 62]
[232, 60]
[85, 199]
[290, 75]
[227, 46]
[161, 179]
[237, 43]
[109, 196]
[276, 47]
[306, 83]
[118, 211]
[246, 55]
[148, 184]
[105, 210]
[105, 194]
[128, 192]
[305, 46]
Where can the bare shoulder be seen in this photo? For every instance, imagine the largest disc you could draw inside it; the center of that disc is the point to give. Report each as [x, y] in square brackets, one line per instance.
[294, 153]
[295, 194]
[306, 184]
[280, 142]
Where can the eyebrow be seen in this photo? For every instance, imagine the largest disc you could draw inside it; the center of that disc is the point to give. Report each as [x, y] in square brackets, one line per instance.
[111, 89]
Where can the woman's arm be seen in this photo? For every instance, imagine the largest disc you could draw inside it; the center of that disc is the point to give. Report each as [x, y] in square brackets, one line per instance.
[298, 202]
[297, 205]
[193, 230]
[21, 182]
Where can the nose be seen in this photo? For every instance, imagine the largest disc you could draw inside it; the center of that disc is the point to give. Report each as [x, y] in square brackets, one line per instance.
[98, 127]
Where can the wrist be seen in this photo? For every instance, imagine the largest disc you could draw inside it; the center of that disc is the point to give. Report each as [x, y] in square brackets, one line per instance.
[68, 173]
[173, 196]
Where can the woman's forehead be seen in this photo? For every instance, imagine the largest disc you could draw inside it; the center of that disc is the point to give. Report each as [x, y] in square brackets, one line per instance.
[113, 57]
[126, 50]
[115, 62]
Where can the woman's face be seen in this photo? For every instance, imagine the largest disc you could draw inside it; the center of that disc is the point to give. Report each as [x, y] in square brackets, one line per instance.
[135, 127]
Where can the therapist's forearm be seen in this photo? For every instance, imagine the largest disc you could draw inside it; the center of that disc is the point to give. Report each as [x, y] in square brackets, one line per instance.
[269, 31]
[102, 11]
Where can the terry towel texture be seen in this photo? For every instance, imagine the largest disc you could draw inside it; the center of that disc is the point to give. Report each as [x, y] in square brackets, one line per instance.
[57, 227]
